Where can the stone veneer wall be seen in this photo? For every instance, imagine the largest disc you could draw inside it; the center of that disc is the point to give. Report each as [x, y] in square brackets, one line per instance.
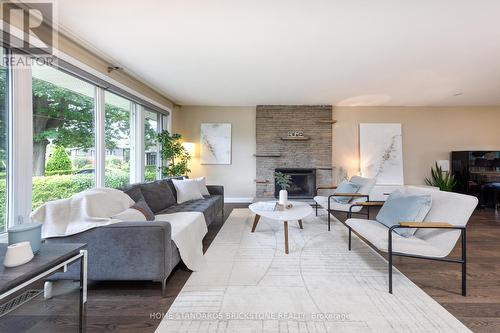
[272, 123]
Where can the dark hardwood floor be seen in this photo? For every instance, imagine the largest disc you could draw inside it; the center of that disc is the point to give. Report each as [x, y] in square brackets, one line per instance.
[138, 306]
[480, 309]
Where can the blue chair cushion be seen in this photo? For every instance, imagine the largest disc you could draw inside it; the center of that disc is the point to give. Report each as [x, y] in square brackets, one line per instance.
[401, 207]
[346, 187]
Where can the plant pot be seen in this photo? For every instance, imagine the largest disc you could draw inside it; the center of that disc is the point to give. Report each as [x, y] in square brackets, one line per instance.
[283, 197]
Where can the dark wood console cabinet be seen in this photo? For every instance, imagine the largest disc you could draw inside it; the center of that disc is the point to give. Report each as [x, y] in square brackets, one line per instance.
[476, 172]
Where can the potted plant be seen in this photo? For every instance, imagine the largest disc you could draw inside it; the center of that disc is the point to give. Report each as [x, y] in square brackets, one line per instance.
[283, 181]
[442, 179]
[174, 154]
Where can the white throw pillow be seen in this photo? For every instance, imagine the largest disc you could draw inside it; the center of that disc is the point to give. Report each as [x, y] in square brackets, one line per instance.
[187, 189]
[202, 184]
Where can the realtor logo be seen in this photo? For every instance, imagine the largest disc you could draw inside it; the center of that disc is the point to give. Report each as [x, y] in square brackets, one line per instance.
[34, 21]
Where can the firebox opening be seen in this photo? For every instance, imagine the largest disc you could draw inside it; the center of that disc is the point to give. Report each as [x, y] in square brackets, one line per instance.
[303, 183]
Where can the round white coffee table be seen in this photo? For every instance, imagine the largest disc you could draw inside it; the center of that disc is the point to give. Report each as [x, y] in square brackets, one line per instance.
[296, 213]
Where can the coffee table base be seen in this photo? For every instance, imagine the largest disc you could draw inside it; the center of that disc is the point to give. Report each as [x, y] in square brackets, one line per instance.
[255, 222]
[285, 226]
[285, 229]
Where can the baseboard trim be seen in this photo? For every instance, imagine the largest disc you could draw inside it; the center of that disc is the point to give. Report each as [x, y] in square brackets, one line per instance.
[238, 199]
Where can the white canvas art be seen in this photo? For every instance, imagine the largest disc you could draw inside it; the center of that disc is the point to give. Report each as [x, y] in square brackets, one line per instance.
[215, 143]
[381, 153]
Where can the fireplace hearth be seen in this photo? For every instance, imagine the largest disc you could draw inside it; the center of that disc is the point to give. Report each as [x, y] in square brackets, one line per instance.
[303, 183]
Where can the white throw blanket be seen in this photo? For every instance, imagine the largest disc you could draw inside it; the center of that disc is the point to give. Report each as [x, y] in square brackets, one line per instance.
[83, 211]
[188, 230]
[102, 206]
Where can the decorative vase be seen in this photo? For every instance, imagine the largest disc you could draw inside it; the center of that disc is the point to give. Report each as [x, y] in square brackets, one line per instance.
[18, 254]
[283, 197]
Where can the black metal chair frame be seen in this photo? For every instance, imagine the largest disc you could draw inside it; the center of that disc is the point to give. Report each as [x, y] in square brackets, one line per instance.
[350, 212]
[462, 260]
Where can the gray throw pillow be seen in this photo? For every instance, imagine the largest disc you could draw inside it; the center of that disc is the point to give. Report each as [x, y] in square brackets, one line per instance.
[134, 192]
[158, 195]
[143, 207]
[401, 207]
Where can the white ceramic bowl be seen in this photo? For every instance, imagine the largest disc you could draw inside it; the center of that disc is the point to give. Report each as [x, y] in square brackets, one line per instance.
[18, 254]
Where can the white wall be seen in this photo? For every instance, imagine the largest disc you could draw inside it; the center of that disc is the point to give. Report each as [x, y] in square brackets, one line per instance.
[238, 178]
[429, 134]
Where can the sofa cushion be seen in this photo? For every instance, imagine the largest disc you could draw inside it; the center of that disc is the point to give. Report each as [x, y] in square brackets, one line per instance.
[377, 235]
[334, 205]
[158, 195]
[171, 184]
[210, 207]
[346, 187]
[401, 207]
[134, 192]
[187, 190]
[202, 184]
[365, 184]
[143, 207]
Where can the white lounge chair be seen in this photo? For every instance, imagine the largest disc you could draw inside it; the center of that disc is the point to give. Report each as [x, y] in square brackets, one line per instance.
[362, 195]
[435, 237]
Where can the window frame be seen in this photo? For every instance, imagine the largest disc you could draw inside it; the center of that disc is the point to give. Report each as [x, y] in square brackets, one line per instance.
[7, 120]
[159, 128]
[20, 144]
[137, 144]
[19, 114]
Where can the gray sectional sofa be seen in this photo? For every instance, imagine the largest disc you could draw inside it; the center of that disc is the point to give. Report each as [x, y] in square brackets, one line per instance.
[140, 250]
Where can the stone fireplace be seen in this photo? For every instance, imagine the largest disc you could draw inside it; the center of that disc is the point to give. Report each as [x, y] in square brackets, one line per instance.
[303, 183]
[295, 138]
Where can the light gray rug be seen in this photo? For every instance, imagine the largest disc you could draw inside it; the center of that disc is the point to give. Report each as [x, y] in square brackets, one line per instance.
[250, 285]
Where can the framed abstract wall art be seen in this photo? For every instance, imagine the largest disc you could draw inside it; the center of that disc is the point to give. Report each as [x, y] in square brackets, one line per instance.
[215, 143]
[381, 152]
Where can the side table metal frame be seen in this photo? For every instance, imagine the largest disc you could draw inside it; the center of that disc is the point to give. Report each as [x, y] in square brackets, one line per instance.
[82, 256]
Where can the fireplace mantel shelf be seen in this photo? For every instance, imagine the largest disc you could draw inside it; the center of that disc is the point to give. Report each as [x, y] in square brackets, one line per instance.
[327, 121]
[296, 138]
[267, 155]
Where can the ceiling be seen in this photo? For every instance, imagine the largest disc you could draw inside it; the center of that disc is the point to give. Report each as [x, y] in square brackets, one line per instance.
[340, 52]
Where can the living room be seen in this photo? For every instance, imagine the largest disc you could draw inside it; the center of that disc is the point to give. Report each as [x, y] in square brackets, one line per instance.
[249, 166]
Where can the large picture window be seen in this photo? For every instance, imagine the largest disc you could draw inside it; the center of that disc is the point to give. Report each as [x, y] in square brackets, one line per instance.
[63, 135]
[4, 121]
[65, 155]
[118, 119]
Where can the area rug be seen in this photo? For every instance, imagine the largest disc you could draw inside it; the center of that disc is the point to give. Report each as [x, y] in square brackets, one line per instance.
[249, 284]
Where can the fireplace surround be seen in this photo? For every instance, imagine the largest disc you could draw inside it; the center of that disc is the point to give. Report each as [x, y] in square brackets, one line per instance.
[277, 149]
[303, 183]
